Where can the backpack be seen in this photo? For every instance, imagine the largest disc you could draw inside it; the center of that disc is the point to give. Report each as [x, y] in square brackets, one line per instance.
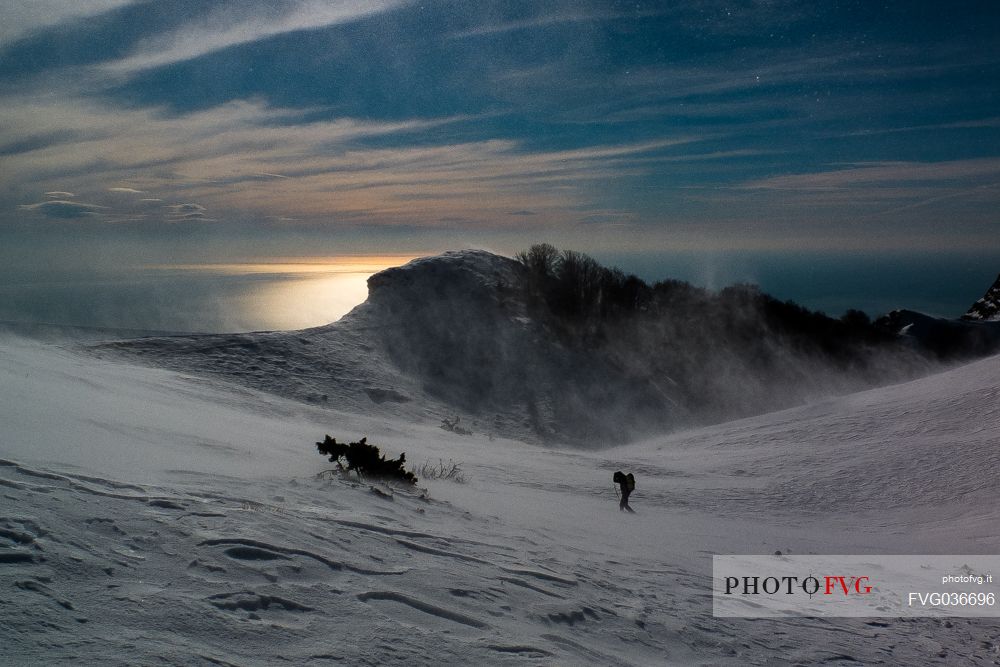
[630, 478]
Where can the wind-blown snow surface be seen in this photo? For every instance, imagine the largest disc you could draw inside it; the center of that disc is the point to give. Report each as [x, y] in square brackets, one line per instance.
[150, 517]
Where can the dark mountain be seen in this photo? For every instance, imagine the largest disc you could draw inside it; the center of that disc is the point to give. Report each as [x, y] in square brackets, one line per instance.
[975, 334]
[944, 339]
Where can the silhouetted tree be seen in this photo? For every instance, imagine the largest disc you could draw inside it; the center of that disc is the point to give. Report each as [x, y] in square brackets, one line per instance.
[365, 459]
[856, 319]
[589, 305]
[576, 292]
[540, 259]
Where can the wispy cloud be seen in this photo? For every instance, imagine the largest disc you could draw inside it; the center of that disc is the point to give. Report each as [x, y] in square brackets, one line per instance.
[148, 142]
[64, 209]
[23, 18]
[187, 212]
[880, 174]
[246, 22]
[479, 182]
[558, 18]
[747, 117]
[979, 123]
[243, 160]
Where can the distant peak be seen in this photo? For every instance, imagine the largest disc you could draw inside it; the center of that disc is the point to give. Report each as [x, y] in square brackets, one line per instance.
[986, 309]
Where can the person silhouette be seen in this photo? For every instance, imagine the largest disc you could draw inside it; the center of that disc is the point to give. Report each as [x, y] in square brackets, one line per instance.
[627, 484]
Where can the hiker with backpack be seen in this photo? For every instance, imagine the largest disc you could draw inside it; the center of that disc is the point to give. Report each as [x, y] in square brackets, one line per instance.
[627, 485]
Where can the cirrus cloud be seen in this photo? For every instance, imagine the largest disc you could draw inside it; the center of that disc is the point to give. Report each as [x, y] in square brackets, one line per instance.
[244, 22]
[23, 18]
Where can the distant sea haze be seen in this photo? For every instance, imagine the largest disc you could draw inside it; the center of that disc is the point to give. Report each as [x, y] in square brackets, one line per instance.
[213, 299]
[183, 299]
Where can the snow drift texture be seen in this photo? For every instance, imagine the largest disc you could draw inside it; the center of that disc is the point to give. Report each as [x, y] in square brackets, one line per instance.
[460, 334]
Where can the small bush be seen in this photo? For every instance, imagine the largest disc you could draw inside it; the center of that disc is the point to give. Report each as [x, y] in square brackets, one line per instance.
[449, 470]
[364, 459]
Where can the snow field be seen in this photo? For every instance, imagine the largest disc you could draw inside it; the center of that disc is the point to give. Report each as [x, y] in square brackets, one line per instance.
[150, 517]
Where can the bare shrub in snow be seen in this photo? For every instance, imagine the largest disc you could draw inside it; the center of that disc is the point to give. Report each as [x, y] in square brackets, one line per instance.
[449, 470]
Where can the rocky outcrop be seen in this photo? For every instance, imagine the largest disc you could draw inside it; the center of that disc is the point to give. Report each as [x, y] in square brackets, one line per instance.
[986, 309]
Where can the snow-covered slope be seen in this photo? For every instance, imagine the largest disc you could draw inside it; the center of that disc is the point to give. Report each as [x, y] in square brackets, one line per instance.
[150, 517]
[987, 308]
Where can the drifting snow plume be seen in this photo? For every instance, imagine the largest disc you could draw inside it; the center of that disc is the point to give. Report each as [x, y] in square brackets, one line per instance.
[570, 351]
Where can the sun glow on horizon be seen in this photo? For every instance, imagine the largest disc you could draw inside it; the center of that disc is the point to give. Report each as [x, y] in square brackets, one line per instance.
[284, 293]
[368, 264]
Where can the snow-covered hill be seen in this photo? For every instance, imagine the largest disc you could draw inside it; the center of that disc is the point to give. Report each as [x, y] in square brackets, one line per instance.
[455, 335]
[151, 517]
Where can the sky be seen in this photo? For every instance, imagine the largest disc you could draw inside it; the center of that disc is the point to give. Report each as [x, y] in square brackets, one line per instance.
[205, 130]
